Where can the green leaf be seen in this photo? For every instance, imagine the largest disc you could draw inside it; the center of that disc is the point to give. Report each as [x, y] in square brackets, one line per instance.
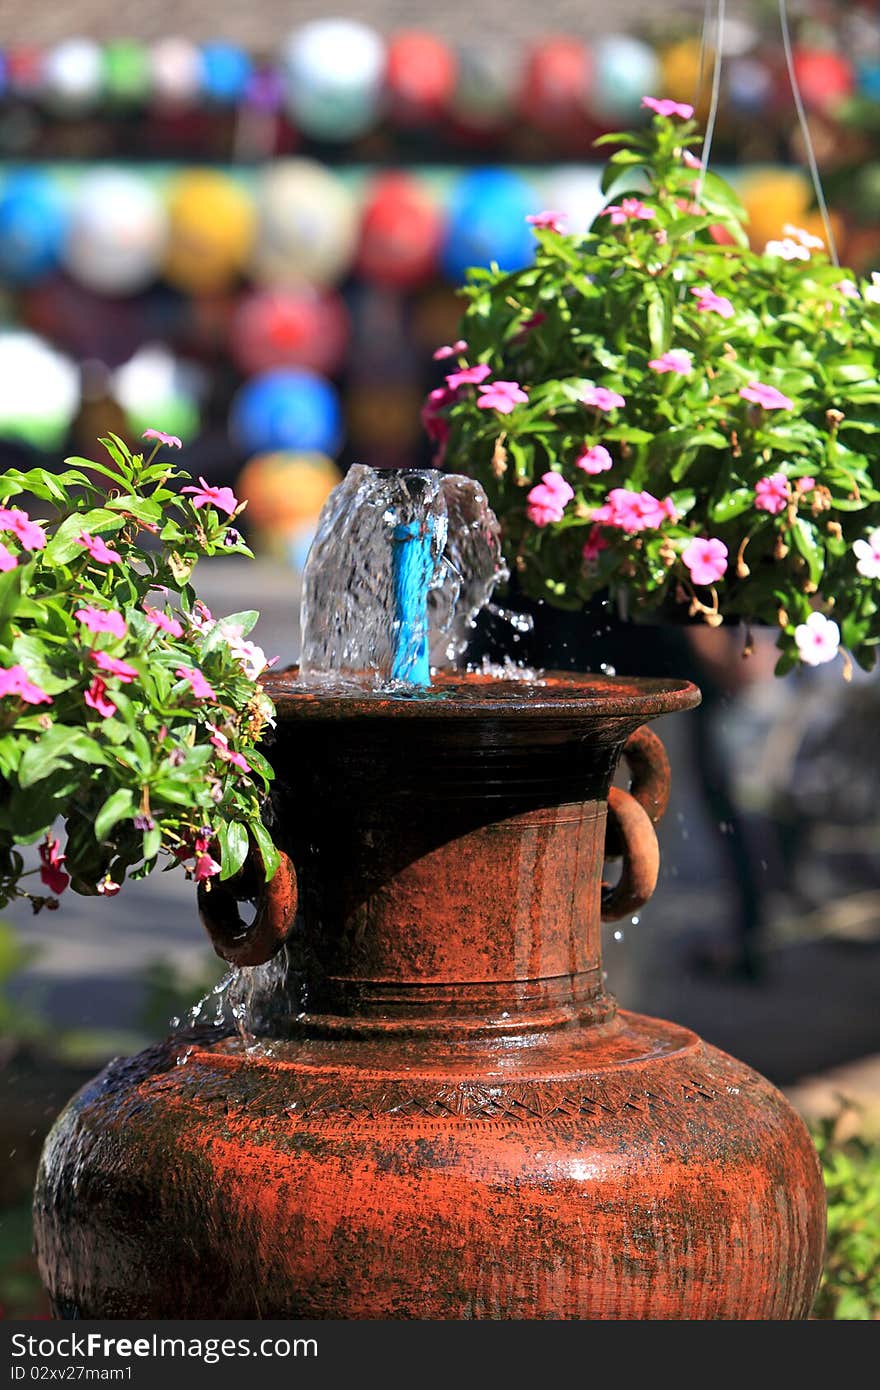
[11, 582]
[808, 544]
[733, 504]
[152, 842]
[268, 850]
[65, 544]
[234, 845]
[117, 805]
[659, 320]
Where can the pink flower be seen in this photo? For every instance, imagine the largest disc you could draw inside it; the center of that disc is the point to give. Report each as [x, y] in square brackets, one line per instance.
[200, 617]
[502, 396]
[547, 501]
[228, 755]
[690, 160]
[51, 872]
[631, 209]
[594, 460]
[547, 221]
[163, 621]
[468, 376]
[708, 302]
[804, 485]
[170, 439]
[602, 398]
[7, 559]
[677, 360]
[533, 321]
[96, 698]
[848, 288]
[223, 498]
[706, 560]
[867, 555]
[818, 640]
[98, 550]
[766, 396]
[450, 350]
[14, 680]
[206, 867]
[595, 544]
[663, 106]
[114, 667]
[634, 511]
[102, 620]
[434, 420]
[200, 687]
[32, 536]
[772, 494]
[107, 888]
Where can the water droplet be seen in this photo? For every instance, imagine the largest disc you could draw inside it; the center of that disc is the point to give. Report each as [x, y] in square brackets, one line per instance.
[635, 921]
[618, 935]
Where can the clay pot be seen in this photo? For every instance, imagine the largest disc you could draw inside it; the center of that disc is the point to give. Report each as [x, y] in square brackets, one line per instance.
[452, 1120]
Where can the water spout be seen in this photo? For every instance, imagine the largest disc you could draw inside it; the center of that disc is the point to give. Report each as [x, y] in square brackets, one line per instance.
[402, 562]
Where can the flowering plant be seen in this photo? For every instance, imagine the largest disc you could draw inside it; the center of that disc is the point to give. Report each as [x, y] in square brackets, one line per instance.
[656, 409]
[125, 709]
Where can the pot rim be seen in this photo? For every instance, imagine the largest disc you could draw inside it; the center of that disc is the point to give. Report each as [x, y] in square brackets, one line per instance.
[475, 695]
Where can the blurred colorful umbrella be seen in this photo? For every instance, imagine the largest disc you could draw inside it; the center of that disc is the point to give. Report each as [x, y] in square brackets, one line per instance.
[39, 390]
[156, 391]
[334, 71]
[73, 75]
[401, 233]
[287, 409]
[487, 222]
[32, 226]
[306, 225]
[226, 73]
[624, 70]
[419, 77]
[211, 225]
[117, 232]
[290, 328]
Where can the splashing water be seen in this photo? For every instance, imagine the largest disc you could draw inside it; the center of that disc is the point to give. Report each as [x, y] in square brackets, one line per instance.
[243, 999]
[362, 618]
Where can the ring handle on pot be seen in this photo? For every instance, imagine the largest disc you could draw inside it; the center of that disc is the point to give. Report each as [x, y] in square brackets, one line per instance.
[632, 827]
[649, 782]
[632, 816]
[232, 939]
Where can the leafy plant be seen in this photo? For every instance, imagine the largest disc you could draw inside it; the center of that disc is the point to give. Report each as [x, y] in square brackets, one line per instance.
[126, 709]
[658, 410]
[850, 1288]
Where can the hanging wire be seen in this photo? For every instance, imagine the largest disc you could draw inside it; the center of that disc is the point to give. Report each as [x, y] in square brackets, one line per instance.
[720, 15]
[805, 131]
[707, 9]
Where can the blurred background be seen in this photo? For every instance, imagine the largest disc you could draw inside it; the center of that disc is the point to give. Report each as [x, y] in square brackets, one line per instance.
[246, 226]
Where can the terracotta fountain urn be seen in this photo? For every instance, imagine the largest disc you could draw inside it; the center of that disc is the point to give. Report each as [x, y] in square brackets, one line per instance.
[448, 1117]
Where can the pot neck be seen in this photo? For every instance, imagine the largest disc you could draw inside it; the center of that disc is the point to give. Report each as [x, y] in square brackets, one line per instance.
[452, 891]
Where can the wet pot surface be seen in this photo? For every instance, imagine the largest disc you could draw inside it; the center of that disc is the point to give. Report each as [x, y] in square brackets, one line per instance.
[453, 1120]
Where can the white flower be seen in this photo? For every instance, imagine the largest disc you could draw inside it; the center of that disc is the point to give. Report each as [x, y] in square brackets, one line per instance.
[868, 555]
[789, 250]
[848, 288]
[872, 291]
[818, 640]
[252, 657]
[815, 243]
